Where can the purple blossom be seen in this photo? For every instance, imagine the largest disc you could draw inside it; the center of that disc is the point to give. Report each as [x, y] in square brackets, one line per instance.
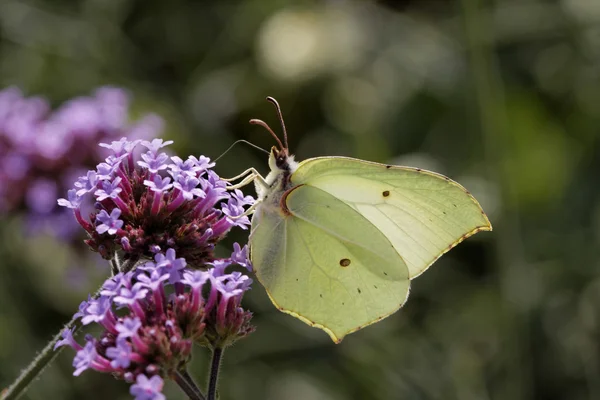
[202, 163]
[112, 285]
[195, 279]
[129, 327]
[220, 265]
[108, 189]
[240, 256]
[153, 162]
[73, 200]
[155, 144]
[106, 171]
[68, 340]
[96, 310]
[147, 389]
[159, 184]
[242, 200]
[170, 264]
[121, 147]
[155, 280]
[128, 296]
[235, 212]
[85, 357]
[188, 187]
[109, 222]
[120, 355]
[86, 183]
[187, 167]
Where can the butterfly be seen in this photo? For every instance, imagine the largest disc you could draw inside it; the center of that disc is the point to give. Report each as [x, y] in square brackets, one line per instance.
[336, 241]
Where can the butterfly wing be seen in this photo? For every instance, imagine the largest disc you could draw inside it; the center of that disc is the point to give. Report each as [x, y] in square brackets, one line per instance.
[423, 214]
[324, 263]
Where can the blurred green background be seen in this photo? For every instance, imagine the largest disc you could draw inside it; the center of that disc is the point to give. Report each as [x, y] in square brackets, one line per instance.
[502, 96]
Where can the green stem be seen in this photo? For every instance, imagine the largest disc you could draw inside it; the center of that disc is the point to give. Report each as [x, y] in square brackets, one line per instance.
[45, 357]
[189, 387]
[214, 373]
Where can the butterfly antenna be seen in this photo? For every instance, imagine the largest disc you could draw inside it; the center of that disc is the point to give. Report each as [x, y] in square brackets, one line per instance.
[240, 141]
[280, 115]
[267, 127]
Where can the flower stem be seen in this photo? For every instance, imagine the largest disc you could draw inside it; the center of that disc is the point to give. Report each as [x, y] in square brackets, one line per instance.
[188, 386]
[190, 380]
[214, 373]
[45, 357]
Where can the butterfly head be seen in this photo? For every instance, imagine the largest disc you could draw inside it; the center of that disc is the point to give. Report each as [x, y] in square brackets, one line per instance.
[281, 160]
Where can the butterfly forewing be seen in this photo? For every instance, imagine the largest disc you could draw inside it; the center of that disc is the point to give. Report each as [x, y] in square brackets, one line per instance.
[423, 214]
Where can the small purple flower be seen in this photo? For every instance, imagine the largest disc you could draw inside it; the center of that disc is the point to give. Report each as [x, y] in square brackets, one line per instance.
[155, 280]
[129, 327]
[109, 189]
[106, 171]
[120, 354]
[68, 340]
[187, 167]
[159, 184]
[240, 256]
[109, 223]
[242, 200]
[85, 357]
[202, 163]
[233, 284]
[195, 279]
[220, 265]
[87, 183]
[156, 144]
[153, 162]
[73, 200]
[147, 389]
[235, 212]
[112, 285]
[130, 296]
[121, 147]
[188, 186]
[96, 310]
[170, 264]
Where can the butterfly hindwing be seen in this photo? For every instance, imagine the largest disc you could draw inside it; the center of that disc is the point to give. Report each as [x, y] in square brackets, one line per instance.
[323, 262]
[423, 214]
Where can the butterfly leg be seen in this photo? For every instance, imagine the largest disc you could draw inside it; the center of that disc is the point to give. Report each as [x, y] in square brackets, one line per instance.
[243, 174]
[254, 176]
[249, 211]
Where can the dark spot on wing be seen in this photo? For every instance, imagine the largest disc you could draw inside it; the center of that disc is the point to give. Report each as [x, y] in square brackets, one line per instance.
[388, 166]
[385, 273]
[375, 286]
[321, 296]
[359, 292]
[455, 205]
[418, 170]
[444, 212]
[386, 193]
[343, 303]
[344, 262]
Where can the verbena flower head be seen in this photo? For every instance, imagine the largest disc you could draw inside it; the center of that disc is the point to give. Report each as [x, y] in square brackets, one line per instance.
[43, 151]
[153, 315]
[158, 219]
[147, 202]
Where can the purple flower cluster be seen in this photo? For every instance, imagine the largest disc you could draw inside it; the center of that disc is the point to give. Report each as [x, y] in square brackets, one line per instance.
[154, 314]
[43, 151]
[146, 202]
